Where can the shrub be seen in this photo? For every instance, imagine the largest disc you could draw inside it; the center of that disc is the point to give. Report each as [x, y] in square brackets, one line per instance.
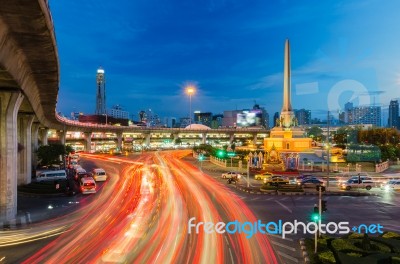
[391, 235]
[344, 245]
[326, 257]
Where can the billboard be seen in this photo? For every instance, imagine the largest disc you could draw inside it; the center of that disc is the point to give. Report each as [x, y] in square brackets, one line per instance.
[249, 118]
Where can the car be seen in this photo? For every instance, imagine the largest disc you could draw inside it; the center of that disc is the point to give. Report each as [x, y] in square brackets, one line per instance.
[262, 176]
[277, 180]
[230, 174]
[363, 177]
[304, 177]
[392, 185]
[357, 184]
[99, 174]
[234, 179]
[87, 185]
[313, 182]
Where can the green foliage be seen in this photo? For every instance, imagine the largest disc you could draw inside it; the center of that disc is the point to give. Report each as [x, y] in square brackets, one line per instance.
[178, 141]
[344, 244]
[69, 149]
[354, 254]
[50, 154]
[326, 257]
[355, 236]
[391, 235]
[315, 133]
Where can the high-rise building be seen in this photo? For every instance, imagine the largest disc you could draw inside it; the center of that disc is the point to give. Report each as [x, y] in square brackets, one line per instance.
[276, 119]
[117, 112]
[230, 118]
[217, 121]
[348, 112]
[366, 115]
[101, 92]
[203, 118]
[264, 119]
[342, 118]
[393, 120]
[303, 116]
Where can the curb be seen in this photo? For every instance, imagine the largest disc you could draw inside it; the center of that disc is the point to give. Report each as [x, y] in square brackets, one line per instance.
[26, 194]
[16, 223]
[252, 191]
[304, 251]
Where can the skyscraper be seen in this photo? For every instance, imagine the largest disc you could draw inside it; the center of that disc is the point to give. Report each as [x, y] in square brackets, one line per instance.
[393, 114]
[363, 115]
[101, 92]
[303, 116]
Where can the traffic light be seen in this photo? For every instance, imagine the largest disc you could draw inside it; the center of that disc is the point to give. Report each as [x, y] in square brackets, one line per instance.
[323, 209]
[221, 153]
[201, 157]
[315, 215]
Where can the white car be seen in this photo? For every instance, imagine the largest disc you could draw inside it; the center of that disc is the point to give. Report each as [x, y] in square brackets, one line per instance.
[392, 185]
[356, 184]
[230, 175]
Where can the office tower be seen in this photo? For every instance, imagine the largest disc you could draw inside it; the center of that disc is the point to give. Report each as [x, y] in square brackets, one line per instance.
[276, 118]
[117, 112]
[303, 116]
[101, 92]
[204, 118]
[393, 114]
[364, 115]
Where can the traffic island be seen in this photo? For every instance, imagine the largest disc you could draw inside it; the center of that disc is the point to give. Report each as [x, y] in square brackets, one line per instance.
[45, 188]
[354, 248]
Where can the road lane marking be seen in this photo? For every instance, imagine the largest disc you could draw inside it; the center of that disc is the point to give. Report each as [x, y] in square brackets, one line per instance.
[284, 246]
[283, 199]
[277, 236]
[298, 198]
[284, 206]
[255, 199]
[230, 252]
[288, 257]
[268, 199]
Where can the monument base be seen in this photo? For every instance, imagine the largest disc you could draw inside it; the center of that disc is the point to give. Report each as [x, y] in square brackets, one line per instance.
[273, 167]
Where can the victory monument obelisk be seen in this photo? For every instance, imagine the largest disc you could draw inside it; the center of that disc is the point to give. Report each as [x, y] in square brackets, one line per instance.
[287, 139]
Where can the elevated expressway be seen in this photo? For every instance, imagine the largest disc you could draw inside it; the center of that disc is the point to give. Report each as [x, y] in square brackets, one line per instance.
[29, 84]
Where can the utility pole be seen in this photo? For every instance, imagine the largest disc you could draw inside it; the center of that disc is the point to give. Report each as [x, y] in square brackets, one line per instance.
[328, 156]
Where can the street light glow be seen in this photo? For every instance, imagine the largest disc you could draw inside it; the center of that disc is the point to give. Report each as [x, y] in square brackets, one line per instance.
[190, 90]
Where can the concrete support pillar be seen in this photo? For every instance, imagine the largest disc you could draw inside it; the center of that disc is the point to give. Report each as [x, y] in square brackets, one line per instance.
[25, 148]
[9, 106]
[204, 138]
[62, 135]
[147, 139]
[35, 142]
[43, 136]
[119, 140]
[176, 136]
[255, 139]
[231, 138]
[88, 141]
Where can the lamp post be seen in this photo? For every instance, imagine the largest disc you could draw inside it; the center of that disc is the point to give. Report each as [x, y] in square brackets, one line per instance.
[190, 90]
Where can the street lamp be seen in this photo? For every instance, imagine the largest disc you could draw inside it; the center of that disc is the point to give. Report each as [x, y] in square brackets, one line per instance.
[190, 90]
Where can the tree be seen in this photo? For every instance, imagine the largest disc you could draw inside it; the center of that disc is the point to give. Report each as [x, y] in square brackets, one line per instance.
[315, 133]
[233, 146]
[178, 141]
[50, 154]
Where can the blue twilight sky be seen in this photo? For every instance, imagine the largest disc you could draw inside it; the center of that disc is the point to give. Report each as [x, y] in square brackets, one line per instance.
[231, 49]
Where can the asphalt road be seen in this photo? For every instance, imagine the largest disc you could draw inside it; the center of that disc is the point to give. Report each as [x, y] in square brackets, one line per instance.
[121, 226]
